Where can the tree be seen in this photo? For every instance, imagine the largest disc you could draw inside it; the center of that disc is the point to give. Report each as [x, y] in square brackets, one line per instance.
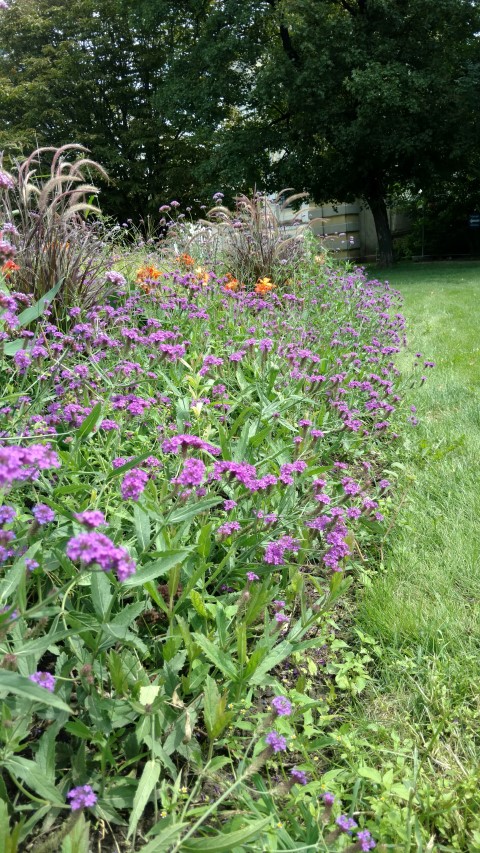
[355, 97]
[89, 71]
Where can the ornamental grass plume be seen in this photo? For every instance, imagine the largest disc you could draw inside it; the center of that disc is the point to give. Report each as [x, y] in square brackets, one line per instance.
[54, 241]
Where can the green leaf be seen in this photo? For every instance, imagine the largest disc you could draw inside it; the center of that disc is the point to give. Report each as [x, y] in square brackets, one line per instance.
[187, 512]
[153, 570]
[34, 778]
[211, 700]
[165, 838]
[12, 347]
[117, 472]
[217, 657]
[88, 424]
[11, 682]
[146, 785]
[214, 713]
[35, 311]
[101, 594]
[226, 841]
[198, 603]
[370, 773]
[77, 840]
[14, 576]
[142, 528]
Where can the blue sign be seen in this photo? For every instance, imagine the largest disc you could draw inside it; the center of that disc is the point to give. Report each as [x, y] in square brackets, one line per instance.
[474, 220]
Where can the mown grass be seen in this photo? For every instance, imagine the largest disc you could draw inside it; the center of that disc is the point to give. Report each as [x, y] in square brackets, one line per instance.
[423, 606]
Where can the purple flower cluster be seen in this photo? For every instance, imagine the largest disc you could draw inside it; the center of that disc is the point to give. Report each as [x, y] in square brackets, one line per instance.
[91, 518]
[282, 706]
[18, 464]
[94, 548]
[82, 797]
[133, 484]
[43, 679]
[192, 474]
[183, 442]
[299, 776]
[43, 514]
[275, 551]
[228, 528]
[276, 742]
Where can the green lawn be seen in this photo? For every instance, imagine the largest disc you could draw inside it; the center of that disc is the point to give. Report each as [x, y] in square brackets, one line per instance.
[423, 608]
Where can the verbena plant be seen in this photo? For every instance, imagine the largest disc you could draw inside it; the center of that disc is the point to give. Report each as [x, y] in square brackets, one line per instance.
[190, 481]
[45, 217]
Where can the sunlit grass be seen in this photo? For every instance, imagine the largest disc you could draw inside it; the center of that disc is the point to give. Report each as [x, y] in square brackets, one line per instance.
[423, 606]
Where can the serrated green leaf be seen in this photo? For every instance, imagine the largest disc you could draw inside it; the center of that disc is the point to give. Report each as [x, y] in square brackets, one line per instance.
[165, 837]
[101, 594]
[187, 512]
[142, 528]
[155, 569]
[11, 682]
[198, 603]
[33, 312]
[370, 773]
[146, 785]
[77, 840]
[34, 778]
[88, 424]
[224, 842]
[217, 657]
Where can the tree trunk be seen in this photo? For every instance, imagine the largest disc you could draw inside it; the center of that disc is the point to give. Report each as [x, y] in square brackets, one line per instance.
[378, 207]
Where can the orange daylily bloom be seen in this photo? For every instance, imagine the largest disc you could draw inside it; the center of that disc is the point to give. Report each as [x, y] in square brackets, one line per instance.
[185, 260]
[148, 272]
[9, 267]
[232, 283]
[263, 285]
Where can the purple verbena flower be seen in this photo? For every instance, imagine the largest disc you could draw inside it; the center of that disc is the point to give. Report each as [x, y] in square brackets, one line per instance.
[91, 518]
[133, 484]
[276, 742]
[81, 797]
[299, 776]
[251, 576]
[43, 514]
[7, 514]
[282, 706]
[366, 840]
[228, 528]
[43, 679]
[97, 549]
[192, 474]
[346, 824]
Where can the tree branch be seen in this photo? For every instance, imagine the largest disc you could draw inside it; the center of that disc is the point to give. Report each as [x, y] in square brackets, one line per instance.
[286, 39]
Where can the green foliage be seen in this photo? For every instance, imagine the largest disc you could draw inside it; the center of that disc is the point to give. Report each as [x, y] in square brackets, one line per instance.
[160, 684]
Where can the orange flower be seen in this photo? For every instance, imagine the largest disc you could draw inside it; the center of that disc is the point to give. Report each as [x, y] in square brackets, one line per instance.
[263, 285]
[232, 283]
[185, 260]
[9, 267]
[202, 276]
[148, 272]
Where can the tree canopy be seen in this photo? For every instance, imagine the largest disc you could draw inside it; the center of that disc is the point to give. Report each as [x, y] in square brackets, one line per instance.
[343, 98]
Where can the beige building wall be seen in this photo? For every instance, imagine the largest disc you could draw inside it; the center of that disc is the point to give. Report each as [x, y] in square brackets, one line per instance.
[348, 230]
